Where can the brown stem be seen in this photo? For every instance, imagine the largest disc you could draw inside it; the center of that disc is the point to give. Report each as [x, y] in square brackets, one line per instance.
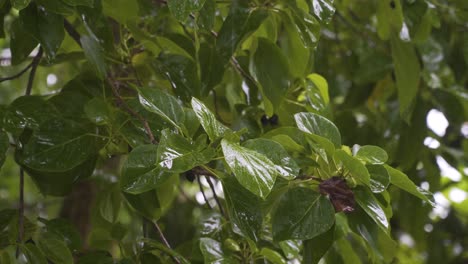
[164, 240]
[215, 195]
[72, 32]
[18, 74]
[202, 191]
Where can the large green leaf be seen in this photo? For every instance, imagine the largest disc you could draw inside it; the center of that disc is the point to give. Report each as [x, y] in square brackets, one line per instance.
[402, 181]
[54, 249]
[317, 247]
[140, 172]
[213, 252]
[162, 104]
[57, 7]
[94, 53]
[4, 145]
[354, 166]
[65, 230]
[109, 203]
[318, 125]
[121, 10]
[181, 9]
[389, 18]
[20, 4]
[270, 68]
[253, 170]
[372, 155]
[59, 145]
[322, 9]
[22, 43]
[46, 27]
[407, 71]
[285, 165]
[177, 154]
[306, 24]
[272, 256]
[243, 207]
[379, 178]
[208, 120]
[33, 254]
[371, 206]
[147, 204]
[302, 214]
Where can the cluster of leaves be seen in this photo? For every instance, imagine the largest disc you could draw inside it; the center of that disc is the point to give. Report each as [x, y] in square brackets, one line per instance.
[216, 91]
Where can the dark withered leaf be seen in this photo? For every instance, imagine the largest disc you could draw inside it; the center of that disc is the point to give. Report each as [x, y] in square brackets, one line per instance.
[341, 196]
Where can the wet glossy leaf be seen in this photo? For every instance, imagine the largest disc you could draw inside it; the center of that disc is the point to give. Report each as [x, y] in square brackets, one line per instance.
[57, 7]
[306, 24]
[318, 125]
[109, 204]
[208, 120]
[98, 111]
[20, 4]
[309, 215]
[176, 154]
[182, 72]
[379, 178]
[140, 172]
[33, 254]
[146, 204]
[212, 252]
[291, 248]
[54, 249]
[407, 71]
[59, 145]
[253, 170]
[207, 14]
[22, 42]
[372, 155]
[94, 53]
[162, 104]
[243, 207]
[46, 27]
[371, 206]
[270, 68]
[4, 145]
[181, 9]
[402, 181]
[354, 166]
[322, 9]
[321, 84]
[272, 256]
[284, 164]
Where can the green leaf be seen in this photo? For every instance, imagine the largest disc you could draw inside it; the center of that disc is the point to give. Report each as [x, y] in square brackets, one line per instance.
[181, 9]
[302, 214]
[322, 9]
[33, 254]
[407, 71]
[254, 171]
[157, 245]
[88, 3]
[177, 154]
[272, 256]
[241, 22]
[321, 84]
[208, 120]
[270, 68]
[306, 24]
[57, 7]
[109, 204]
[206, 18]
[354, 166]
[389, 18]
[140, 172]
[96, 257]
[162, 104]
[318, 125]
[371, 206]
[402, 181]
[317, 247]
[4, 145]
[59, 145]
[182, 72]
[22, 42]
[54, 249]
[121, 10]
[20, 4]
[146, 204]
[372, 155]
[46, 27]
[379, 178]
[94, 53]
[285, 165]
[65, 230]
[98, 111]
[243, 207]
[212, 252]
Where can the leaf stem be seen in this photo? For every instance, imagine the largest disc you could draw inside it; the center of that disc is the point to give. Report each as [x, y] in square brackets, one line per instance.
[18, 74]
[215, 195]
[202, 191]
[164, 240]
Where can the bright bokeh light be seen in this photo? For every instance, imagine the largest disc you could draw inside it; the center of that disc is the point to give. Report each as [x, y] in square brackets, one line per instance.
[457, 195]
[448, 171]
[431, 143]
[437, 122]
[51, 79]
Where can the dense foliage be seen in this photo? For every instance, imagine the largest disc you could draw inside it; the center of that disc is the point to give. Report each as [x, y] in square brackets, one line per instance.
[213, 131]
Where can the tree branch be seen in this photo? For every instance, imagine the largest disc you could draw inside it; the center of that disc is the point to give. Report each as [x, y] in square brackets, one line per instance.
[215, 195]
[202, 191]
[72, 32]
[18, 74]
[164, 240]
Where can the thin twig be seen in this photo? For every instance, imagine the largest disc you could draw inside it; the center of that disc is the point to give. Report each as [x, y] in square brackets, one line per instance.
[164, 240]
[32, 73]
[72, 32]
[18, 74]
[203, 192]
[215, 195]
